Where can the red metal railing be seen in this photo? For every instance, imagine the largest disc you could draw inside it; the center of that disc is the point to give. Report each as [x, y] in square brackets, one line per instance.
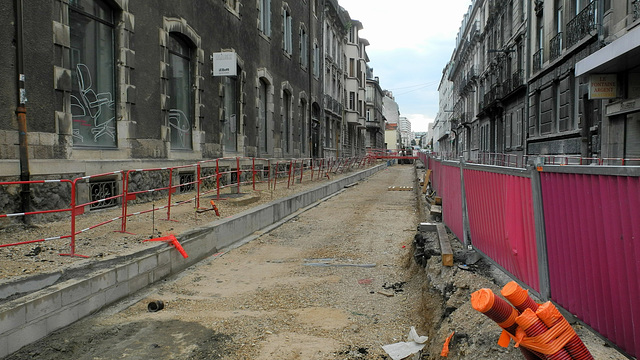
[262, 171]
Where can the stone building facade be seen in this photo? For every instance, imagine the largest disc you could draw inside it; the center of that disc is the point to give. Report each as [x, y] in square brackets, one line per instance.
[114, 84]
[523, 75]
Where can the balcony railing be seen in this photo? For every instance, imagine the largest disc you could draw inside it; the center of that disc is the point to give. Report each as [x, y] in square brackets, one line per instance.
[555, 47]
[537, 60]
[518, 78]
[582, 25]
[332, 105]
[635, 9]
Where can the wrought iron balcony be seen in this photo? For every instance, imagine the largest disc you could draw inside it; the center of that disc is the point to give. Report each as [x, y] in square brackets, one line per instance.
[332, 105]
[582, 25]
[518, 78]
[555, 47]
[635, 6]
[507, 86]
[537, 60]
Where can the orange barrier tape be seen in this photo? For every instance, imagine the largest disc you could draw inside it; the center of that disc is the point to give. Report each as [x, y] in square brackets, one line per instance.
[173, 241]
[445, 347]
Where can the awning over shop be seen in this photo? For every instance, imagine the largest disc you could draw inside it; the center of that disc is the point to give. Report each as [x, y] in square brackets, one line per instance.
[620, 55]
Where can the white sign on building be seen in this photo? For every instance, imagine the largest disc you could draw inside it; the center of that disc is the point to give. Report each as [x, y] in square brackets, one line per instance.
[225, 64]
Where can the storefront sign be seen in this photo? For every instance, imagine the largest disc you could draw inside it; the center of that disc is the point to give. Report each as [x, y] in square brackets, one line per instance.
[224, 64]
[603, 86]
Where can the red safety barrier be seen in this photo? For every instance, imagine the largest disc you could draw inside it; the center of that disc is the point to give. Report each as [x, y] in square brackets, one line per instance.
[264, 174]
[132, 195]
[71, 209]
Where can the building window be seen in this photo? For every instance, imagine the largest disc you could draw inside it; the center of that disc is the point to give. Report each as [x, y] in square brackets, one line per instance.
[287, 31]
[231, 115]
[263, 118]
[264, 17]
[286, 121]
[316, 59]
[352, 100]
[303, 126]
[233, 6]
[304, 47]
[180, 83]
[93, 111]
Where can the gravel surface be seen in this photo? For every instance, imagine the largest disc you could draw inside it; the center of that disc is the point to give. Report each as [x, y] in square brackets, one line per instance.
[337, 281]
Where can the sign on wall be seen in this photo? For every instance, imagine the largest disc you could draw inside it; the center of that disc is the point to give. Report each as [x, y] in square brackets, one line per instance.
[224, 64]
[603, 86]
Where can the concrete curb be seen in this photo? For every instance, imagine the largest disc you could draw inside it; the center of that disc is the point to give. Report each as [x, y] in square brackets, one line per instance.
[27, 319]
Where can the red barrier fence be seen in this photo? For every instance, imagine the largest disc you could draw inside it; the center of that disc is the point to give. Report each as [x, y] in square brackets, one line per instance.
[567, 231]
[218, 173]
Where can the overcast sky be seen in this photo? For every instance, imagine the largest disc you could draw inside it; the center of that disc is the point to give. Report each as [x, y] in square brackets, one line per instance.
[411, 41]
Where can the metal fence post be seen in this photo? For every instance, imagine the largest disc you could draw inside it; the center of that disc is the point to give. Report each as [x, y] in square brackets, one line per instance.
[541, 239]
[465, 216]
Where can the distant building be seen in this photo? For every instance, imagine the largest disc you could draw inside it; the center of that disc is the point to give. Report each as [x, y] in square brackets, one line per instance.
[392, 137]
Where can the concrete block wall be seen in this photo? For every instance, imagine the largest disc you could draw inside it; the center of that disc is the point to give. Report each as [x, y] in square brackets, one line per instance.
[27, 319]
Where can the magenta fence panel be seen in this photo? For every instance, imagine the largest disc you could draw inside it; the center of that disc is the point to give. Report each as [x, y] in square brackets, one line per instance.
[501, 221]
[451, 193]
[593, 244]
[436, 174]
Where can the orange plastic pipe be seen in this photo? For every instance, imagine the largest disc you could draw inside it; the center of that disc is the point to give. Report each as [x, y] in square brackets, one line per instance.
[518, 297]
[533, 326]
[550, 316]
[498, 310]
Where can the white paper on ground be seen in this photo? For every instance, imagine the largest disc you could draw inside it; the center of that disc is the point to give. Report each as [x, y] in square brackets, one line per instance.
[401, 350]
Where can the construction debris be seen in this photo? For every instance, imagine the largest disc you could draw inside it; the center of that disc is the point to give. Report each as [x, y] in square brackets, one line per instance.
[400, 188]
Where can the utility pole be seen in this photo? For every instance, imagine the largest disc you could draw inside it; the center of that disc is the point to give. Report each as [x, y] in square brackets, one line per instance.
[21, 113]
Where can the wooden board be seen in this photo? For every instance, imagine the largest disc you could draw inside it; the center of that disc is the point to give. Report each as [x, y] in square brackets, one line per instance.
[425, 183]
[445, 245]
[400, 188]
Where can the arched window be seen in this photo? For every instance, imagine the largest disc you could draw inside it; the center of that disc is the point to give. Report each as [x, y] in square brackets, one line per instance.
[93, 110]
[180, 84]
[263, 118]
[286, 121]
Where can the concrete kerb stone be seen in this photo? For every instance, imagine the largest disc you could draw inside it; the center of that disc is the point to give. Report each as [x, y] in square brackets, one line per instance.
[28, 319]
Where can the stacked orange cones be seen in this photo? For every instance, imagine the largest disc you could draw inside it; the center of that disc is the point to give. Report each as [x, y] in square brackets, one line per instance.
[540, 329]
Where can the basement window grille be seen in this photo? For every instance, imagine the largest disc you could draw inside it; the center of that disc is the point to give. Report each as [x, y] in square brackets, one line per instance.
[186, 182]
[102, 192]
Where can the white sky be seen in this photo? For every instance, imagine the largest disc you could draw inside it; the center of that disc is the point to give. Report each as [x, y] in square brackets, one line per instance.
[411, 41]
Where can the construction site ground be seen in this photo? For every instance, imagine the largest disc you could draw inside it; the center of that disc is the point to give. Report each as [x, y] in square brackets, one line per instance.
[337, 281]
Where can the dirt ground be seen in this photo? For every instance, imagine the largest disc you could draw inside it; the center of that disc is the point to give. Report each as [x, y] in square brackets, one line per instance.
[108, 241]
[338, 281]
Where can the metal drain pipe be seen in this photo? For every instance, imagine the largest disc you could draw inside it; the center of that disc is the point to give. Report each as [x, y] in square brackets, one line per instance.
[21, 112]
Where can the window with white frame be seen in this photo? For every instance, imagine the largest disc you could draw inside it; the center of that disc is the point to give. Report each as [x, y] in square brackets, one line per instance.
[231, 118]
[264, 17]
[287, 30]
[93, 111]
[316, 59]
[304, 47]
[286, 121]
[180, 84]
[233, 6]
